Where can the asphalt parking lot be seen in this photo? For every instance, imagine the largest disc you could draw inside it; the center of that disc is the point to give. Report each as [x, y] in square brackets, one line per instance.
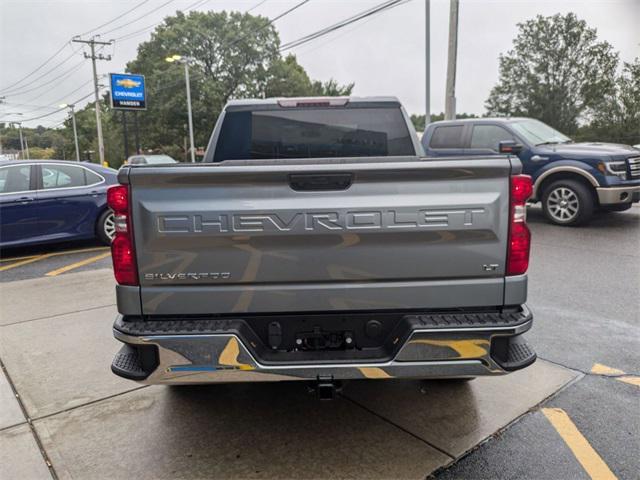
[573, 414]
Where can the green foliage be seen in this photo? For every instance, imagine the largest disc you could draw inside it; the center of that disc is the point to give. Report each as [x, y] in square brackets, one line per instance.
[235, 55]
[556, 72]
[41, 153]
[617, 118]
[42, 142]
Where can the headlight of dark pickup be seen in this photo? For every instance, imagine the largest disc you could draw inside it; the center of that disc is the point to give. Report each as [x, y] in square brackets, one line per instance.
[619, 169]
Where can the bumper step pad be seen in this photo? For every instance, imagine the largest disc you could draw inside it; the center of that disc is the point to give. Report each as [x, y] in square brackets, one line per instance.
[127, 364]
[519, 355]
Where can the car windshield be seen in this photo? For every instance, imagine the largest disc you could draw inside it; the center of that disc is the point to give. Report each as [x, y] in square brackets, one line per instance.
[539, 133]
[158, 159]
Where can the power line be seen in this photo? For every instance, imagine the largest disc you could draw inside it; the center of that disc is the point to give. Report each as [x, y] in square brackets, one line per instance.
[11, 92]
[256, 6]
[268, 23]
[114, 19]
[56, 111]
[135, 33]
[138, 18]
[64, 74]
[343, 23]
[9, 87]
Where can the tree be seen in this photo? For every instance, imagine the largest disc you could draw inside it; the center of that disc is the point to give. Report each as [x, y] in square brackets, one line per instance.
[235, 55]
[287, 78]
[617, 118]
[556, 72]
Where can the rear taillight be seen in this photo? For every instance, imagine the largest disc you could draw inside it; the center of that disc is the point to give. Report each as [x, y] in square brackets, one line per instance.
[122, 253]
[519, 235]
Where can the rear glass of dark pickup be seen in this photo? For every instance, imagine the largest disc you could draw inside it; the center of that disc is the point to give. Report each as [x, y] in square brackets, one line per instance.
[313, 133]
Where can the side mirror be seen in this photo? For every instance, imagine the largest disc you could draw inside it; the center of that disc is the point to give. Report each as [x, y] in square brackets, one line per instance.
[509, 146]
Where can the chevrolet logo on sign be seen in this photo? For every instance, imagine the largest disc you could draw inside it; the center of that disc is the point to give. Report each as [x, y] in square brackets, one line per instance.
[128, 83]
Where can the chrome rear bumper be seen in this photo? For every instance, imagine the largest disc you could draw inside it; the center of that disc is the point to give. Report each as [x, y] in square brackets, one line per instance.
[436, 352]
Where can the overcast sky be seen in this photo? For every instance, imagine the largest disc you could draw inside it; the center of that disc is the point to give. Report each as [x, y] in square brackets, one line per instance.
[383, 56]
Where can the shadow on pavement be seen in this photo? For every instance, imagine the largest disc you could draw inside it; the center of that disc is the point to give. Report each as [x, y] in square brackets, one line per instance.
[12, 252]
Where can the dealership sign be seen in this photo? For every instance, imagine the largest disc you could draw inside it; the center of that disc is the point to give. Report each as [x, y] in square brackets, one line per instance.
[128, 92]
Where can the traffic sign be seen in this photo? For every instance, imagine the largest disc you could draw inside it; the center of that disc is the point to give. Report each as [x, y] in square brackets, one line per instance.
[128, 91]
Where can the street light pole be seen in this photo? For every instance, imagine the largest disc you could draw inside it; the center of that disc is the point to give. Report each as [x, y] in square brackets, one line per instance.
[186, 76]
[427, 45]
[75, 131]
[186, 61]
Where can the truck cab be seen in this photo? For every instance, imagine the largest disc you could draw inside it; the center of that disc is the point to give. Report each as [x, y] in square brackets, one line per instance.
[571, 180]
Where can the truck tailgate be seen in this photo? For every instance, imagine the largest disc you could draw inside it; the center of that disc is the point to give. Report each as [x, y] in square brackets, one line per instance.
[334, 236]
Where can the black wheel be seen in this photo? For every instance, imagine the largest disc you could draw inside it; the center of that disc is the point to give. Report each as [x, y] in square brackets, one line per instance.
[567, 202]
[106, 227]
[620, 207]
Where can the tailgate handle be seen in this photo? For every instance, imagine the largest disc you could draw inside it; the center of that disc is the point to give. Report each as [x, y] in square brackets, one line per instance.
[318, 182]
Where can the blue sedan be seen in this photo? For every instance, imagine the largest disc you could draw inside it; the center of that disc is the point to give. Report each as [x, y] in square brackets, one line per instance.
[43, 201]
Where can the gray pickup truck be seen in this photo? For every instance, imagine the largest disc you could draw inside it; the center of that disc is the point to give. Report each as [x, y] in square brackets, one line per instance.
[316, 242]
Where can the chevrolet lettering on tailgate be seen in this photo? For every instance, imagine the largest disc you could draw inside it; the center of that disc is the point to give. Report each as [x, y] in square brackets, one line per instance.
[317, 221]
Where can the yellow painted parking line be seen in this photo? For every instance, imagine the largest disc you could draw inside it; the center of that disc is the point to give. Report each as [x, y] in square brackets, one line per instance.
[374, 372]
[25, 262]
[55, 254]
[600, 369]
[580, 446]
[81, 263]
[617, 374]
[15, 259]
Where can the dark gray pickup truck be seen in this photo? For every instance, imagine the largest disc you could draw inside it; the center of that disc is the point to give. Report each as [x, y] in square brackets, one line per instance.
[316, 242]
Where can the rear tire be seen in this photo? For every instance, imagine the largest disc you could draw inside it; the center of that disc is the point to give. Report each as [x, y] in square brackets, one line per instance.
[568, 203]
[105, 227]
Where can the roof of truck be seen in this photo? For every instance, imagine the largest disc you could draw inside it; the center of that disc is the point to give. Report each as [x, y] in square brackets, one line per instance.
[481, 120]
[278, 101]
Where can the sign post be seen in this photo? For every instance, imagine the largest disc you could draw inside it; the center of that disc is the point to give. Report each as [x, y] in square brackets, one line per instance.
[128, 93]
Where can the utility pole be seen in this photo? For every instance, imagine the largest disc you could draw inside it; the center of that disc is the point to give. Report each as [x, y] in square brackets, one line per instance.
[75, 131]
[427, 48]
[450, 96]
[92, 42]
[186, 61]
[26, 145]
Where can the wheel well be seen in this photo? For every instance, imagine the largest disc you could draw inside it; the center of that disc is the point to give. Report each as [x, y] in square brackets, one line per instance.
[564, 176]
[99, 215]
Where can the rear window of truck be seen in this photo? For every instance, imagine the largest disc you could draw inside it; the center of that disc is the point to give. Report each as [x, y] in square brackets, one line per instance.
[447, 137]
[313, 133]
